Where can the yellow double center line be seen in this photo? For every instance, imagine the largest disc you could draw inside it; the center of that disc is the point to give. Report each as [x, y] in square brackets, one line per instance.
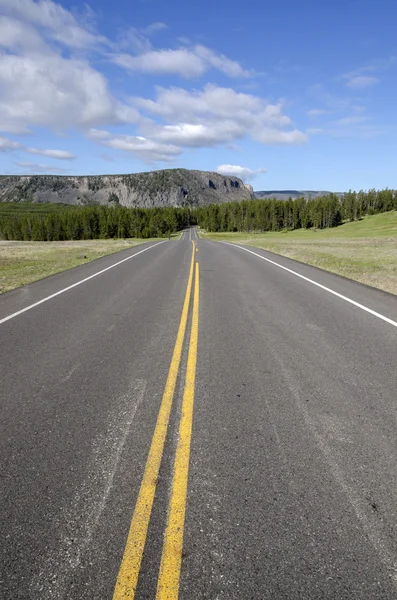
[168, 581]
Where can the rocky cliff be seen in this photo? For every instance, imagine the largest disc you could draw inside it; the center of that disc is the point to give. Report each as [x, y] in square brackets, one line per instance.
[171, 187]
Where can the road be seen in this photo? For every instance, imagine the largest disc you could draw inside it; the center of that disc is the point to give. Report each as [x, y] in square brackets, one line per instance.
[244, 409]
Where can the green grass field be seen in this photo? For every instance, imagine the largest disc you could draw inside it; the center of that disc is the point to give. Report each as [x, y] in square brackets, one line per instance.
[364, 250]
[24, 262]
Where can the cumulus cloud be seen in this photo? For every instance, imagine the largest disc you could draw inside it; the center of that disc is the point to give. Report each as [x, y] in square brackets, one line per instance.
[216, 115]
[57, 22]
[40, 85]
[199, 135]
[199, 119]
[19, 36]
[361, 81]
[47, 80]
[243, 173]
[49, 90]
[147, 150]
[212, 101]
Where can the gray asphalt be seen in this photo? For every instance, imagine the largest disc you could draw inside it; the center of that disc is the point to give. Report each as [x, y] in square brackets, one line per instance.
[293, 477]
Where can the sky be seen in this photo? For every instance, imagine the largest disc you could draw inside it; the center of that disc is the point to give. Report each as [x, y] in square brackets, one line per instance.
[286, 94]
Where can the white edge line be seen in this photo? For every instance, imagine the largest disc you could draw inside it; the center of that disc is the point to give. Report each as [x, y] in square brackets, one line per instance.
[13, 315]
[323, 287]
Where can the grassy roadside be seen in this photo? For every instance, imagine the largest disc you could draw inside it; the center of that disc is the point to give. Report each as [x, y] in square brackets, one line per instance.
[24, 262]
[365, 250]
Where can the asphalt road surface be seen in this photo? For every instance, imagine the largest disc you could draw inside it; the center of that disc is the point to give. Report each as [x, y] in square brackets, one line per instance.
[220, 431]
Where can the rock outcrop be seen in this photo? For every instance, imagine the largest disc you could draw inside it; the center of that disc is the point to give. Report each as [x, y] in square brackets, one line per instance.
[171, 187]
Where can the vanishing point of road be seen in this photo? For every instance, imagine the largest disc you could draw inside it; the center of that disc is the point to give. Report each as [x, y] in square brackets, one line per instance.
[198, 420]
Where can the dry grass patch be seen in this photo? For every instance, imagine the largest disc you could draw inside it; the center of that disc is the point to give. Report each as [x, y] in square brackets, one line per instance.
[24, 262]
[365, 251]
[370, 261]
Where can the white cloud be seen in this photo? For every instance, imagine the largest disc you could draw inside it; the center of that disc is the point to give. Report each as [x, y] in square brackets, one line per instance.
[212, 102]
[46, 80]
[16, 35]
[138, 40]
[146, 149]
[32, 168]
[229, 67]
[243, 173]
[185, 62]
[39, 84]
[98, 134]
[6, 144]
[52, 91]
[181, 62]
[58, 154]
[58, 23]
[216, 115]
[361, 81]
[198, 134]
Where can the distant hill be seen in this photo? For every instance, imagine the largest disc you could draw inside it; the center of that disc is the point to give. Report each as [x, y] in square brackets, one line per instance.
[287, 194]
[169, 187]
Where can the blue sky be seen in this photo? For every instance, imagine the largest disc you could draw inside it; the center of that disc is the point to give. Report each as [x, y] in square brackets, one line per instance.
[285, 94]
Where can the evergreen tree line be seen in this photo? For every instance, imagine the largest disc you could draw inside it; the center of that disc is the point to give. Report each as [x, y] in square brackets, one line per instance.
[94, 222]
[276, 215]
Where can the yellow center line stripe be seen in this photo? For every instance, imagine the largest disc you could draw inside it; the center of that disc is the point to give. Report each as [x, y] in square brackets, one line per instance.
[131, 563]
[171, 560]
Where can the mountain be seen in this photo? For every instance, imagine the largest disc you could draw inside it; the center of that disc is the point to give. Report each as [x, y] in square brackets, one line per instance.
[170, 187]
[287, 194]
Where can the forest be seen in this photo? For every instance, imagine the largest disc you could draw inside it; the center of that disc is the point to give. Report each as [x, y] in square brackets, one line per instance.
[55, 222]
[277, 215]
